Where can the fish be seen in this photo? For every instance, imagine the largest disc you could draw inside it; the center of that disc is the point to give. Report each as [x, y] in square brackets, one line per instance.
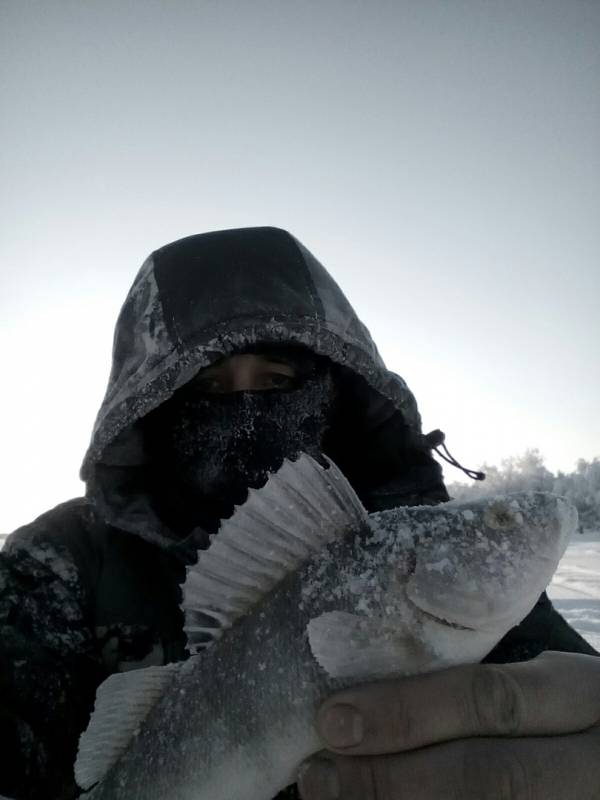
[302, 593]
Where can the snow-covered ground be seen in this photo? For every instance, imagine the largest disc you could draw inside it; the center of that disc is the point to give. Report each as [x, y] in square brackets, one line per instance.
[575, 588]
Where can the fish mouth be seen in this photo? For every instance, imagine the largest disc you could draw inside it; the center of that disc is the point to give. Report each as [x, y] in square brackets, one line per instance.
[440, 620]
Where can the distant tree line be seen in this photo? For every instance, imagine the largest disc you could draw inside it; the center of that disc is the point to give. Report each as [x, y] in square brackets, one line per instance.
[528, 473]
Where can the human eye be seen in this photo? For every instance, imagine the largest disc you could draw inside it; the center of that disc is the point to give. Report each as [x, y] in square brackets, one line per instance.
[278, 380]
[208, 384]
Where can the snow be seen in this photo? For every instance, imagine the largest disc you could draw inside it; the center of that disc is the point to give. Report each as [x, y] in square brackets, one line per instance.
[575, 587]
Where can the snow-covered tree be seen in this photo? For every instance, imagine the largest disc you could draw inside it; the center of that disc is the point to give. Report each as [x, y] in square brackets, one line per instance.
[582, 487]
[529, 473]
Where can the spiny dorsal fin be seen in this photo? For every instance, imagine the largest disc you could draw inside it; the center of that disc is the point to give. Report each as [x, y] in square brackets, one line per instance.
[123, 702]
[302, 507]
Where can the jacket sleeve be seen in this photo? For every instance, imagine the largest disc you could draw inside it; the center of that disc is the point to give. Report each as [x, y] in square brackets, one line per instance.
[48, 667]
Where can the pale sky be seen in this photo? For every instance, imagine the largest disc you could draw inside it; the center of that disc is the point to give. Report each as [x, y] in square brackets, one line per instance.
[442, 159]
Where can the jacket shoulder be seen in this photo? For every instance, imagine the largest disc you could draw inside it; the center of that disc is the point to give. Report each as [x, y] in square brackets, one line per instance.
[542, 629]
[68, 516]
[65, 537]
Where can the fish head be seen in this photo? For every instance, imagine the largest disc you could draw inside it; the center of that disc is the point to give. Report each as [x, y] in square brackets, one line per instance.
[487, 570]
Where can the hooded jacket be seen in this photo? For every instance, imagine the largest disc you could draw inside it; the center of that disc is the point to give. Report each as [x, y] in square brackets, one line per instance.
[92, 587]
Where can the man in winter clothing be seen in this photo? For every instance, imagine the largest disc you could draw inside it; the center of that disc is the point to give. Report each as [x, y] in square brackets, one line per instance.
[233, 350]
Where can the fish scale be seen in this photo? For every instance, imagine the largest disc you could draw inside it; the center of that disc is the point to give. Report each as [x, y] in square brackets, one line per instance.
[382, 595]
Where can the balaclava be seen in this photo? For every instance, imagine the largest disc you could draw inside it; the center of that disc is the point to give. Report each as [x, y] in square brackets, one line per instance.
[208, 449]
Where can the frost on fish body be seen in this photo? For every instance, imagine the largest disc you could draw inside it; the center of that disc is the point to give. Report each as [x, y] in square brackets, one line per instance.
[388, 594]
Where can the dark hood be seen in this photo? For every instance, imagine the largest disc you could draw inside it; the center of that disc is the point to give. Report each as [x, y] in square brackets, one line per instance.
[201, 298]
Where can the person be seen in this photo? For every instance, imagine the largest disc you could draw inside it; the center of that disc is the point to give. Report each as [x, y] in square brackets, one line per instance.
[233, 350]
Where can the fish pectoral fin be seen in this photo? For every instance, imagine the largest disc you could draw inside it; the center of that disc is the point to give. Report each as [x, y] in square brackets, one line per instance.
[123, 701]
[301, 508]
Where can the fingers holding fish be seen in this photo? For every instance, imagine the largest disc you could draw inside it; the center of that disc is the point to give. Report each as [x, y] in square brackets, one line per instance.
[475, 731]
[553, 694]
[553, 768]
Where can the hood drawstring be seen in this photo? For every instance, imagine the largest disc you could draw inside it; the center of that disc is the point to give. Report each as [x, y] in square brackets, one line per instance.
[435, 439]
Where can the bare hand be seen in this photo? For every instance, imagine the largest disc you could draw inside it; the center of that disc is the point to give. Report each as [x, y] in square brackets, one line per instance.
[422, 738]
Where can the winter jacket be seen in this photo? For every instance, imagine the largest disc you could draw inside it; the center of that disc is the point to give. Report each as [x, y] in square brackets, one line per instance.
[92, 587]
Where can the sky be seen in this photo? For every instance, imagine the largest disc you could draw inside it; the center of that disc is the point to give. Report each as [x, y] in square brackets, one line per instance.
[442, 159]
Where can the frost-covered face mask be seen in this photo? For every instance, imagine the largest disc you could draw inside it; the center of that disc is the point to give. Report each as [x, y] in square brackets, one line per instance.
[216, 446]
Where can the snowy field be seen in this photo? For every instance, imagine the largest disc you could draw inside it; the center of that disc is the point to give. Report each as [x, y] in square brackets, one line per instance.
[575, 588]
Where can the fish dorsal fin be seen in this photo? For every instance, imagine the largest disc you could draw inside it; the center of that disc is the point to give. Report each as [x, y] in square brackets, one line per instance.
[301, 508]
[123, 701]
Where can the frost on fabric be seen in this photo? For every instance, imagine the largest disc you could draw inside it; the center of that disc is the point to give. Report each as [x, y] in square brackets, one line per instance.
[225, 444]
[143, 377]
[42, 588]
[142, 340]
[148, 367]
[48, 661]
